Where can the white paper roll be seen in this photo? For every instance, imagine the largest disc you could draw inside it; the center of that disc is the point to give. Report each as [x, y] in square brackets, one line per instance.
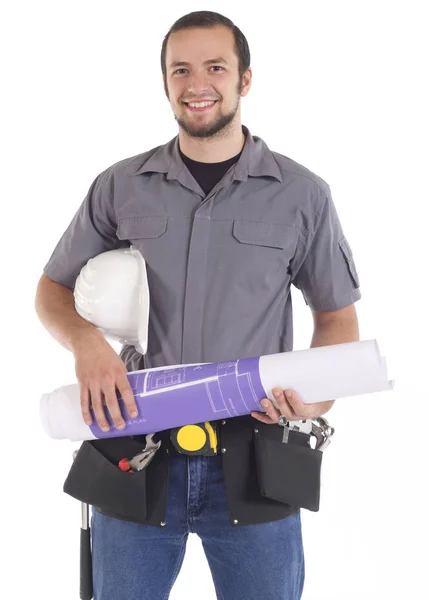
[61, 414]
[327, 372]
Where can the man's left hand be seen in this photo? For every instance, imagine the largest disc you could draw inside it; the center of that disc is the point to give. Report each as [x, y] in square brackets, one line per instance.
[291, 407]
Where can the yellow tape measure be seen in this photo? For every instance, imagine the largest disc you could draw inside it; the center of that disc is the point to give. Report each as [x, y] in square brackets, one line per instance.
[195, 439]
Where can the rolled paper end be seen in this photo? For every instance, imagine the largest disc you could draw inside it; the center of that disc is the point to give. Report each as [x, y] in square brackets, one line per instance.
[61, 417]
[44, 416]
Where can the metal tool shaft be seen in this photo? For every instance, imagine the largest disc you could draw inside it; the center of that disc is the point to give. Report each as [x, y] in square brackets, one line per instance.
[85, 516]
[85, 583]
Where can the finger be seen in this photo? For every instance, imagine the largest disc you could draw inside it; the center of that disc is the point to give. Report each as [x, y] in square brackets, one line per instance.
[271, 410]
[98, 408]
[113, 405]
[84, 404]
[301, 410]
[126, 392]
[284, 407]
[263, 418]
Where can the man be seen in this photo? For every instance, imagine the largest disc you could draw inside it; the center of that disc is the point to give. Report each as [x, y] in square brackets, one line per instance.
[225, 226]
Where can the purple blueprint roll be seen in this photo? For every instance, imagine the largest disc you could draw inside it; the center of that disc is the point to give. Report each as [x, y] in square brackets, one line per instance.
[185, 394]
[165, 398]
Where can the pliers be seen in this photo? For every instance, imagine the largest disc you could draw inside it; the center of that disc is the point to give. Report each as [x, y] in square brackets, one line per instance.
[142, 459]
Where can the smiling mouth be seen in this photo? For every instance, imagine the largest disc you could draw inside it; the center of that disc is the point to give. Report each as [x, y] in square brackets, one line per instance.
[200, 109]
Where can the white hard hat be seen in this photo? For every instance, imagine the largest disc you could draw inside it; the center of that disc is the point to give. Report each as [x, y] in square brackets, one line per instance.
[112, 293]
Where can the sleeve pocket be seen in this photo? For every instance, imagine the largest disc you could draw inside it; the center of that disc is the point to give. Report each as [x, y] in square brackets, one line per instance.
[348, 255]
[95, 478]
[288, 472]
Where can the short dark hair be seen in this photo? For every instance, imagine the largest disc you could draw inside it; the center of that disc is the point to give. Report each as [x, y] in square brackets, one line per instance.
[207, 18]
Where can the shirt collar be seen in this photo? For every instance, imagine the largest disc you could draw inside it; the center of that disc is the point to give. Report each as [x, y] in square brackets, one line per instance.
[256, 160]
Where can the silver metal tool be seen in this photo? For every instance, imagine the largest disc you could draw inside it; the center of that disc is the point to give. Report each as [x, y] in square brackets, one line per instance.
[323, 432]
[301, 426]
[142, 459]
[285, 424]
[318, 428]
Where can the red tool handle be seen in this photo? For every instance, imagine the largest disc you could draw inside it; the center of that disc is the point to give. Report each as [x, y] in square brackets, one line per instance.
[124, 465]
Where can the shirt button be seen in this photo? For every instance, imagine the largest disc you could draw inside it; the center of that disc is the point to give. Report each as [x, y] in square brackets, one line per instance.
[223, 422]
[235, 522]
[162, 523]
[223, 450]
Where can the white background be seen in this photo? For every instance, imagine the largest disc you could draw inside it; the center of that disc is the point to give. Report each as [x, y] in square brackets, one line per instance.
[338, 87]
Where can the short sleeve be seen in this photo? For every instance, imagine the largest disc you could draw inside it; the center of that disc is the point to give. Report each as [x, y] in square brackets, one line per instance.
[91, 232]
[324, 269]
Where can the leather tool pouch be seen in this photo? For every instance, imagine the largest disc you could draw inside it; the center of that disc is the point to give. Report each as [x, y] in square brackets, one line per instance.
[95, 478]
[287, 472]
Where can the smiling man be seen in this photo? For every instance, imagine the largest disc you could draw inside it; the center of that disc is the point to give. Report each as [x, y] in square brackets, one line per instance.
[205, 93]
[226, 226]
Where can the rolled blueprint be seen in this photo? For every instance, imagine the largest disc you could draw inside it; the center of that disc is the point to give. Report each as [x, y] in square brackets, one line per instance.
[179, 395]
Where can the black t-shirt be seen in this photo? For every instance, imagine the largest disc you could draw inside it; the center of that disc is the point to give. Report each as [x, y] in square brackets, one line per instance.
[208, 174]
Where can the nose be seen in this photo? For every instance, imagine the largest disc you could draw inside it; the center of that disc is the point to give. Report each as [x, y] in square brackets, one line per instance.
[198, 83]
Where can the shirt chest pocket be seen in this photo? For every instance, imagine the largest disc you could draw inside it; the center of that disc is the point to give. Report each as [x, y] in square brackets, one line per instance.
[135, 228]
[264, 244]
[143, 233]
[258, 254]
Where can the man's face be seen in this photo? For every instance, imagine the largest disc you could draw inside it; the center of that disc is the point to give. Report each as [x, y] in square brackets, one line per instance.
[190, 78]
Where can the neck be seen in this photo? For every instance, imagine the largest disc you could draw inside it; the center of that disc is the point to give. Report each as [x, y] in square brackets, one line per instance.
[215, 149]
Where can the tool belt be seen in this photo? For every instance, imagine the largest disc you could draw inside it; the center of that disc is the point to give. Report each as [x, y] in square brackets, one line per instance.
[111, 474]
[202, 438]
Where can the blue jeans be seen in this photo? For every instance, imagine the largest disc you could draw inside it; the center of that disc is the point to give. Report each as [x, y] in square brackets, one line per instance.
[132, 561]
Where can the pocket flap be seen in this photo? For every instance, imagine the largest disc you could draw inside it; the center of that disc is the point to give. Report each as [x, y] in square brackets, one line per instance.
[141, 227]
[263, 234]
[344, 245]
[348, 255]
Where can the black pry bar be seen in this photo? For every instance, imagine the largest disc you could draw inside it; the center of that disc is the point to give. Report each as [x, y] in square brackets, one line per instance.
[85, 574]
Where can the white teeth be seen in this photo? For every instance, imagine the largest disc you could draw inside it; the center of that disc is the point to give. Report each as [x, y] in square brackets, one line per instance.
[200, 104]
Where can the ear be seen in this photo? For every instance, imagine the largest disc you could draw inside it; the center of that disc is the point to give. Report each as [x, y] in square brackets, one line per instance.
[165, 87]
[246, 82]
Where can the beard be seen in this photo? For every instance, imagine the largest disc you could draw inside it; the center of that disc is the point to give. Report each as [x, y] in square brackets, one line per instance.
[207, 130]
[215, 127]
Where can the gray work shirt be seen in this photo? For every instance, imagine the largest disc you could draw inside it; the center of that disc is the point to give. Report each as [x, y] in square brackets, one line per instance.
[219, 268]
[220, 265]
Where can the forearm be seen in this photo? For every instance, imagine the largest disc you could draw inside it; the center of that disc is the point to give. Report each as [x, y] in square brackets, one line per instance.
[336, 332]
[55, 307]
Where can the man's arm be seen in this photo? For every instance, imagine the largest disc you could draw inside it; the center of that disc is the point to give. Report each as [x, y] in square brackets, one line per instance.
[330, 327]
[335, 327]
[55, 307]
[99, 369]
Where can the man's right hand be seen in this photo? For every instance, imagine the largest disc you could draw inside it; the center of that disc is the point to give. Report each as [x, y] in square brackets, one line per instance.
[100, 373]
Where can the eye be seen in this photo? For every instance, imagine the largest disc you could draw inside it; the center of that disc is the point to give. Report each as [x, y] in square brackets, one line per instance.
[217, 67]
[179, 70]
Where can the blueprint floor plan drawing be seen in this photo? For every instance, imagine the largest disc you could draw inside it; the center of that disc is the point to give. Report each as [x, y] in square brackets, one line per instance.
[194, 393]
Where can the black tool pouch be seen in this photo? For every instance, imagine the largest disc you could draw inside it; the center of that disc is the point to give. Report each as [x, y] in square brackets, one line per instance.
[95, 478]
[287, 472]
